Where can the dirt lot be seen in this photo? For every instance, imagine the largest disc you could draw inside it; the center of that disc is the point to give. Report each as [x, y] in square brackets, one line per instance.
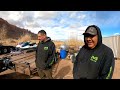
[64, 70]
[61, 70]
[116, 74]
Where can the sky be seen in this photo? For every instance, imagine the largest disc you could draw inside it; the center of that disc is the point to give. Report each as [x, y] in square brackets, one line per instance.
[62, 25]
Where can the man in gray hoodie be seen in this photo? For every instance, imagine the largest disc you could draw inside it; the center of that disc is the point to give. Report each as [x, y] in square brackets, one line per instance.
[45, 55]
[94, 60]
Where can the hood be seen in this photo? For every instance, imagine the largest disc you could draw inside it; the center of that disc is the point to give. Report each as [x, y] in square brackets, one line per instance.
[98, 33]
[47, 40]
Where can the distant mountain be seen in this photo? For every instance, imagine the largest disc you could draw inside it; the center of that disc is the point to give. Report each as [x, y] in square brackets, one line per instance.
[13, 31]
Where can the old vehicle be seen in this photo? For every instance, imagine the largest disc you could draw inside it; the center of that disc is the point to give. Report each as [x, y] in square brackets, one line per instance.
[5, 64]
[6, 49]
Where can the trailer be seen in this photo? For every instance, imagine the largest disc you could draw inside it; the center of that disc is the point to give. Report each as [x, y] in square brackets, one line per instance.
[6, 49]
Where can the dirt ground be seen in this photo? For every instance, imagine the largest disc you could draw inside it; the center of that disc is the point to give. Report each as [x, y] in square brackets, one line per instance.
[61, 70]
[65, 68]
[116, 74]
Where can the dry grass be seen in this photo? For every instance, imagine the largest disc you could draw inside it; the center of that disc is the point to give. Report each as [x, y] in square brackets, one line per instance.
[74, 42]
[14, 42]
[7, 42]
[24, 38]
[4, 40]
[58, 43]
[71, 42]
[3, 33]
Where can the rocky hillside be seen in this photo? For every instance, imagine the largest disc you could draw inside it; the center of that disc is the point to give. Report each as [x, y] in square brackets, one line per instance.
[13, 31]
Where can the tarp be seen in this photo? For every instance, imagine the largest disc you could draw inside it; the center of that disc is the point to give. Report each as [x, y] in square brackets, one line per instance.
[114, 43]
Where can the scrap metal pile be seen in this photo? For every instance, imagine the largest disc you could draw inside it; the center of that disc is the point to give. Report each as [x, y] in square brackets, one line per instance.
[5, 64]
[23, 62]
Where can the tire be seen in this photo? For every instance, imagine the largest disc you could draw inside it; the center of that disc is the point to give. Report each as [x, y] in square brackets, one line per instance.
[0, 51]
[5, 50]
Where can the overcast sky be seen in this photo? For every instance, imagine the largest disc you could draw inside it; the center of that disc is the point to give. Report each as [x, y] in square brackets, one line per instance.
[64, 24]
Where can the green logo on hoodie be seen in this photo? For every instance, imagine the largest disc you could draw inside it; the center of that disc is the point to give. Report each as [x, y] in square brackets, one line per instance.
[94, 59]
[45, 48]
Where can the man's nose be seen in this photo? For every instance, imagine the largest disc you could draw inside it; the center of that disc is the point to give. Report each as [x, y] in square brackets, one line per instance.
[88, 38]
[39, 38]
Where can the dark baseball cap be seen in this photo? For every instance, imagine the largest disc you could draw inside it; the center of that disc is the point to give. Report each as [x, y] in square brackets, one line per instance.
[91, 31]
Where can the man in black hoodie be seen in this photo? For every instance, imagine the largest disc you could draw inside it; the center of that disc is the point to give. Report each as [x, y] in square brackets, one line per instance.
[45, 55]
[94, 60]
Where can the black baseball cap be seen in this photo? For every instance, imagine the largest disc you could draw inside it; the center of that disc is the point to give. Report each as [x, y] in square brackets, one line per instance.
[91, 31]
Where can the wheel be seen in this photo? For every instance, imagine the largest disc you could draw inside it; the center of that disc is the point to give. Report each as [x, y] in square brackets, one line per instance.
[0, 52]
[5, 50]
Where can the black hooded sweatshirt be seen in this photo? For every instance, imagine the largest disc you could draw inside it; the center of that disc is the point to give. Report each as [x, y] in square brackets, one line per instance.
[97, 63]
[45, 54]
